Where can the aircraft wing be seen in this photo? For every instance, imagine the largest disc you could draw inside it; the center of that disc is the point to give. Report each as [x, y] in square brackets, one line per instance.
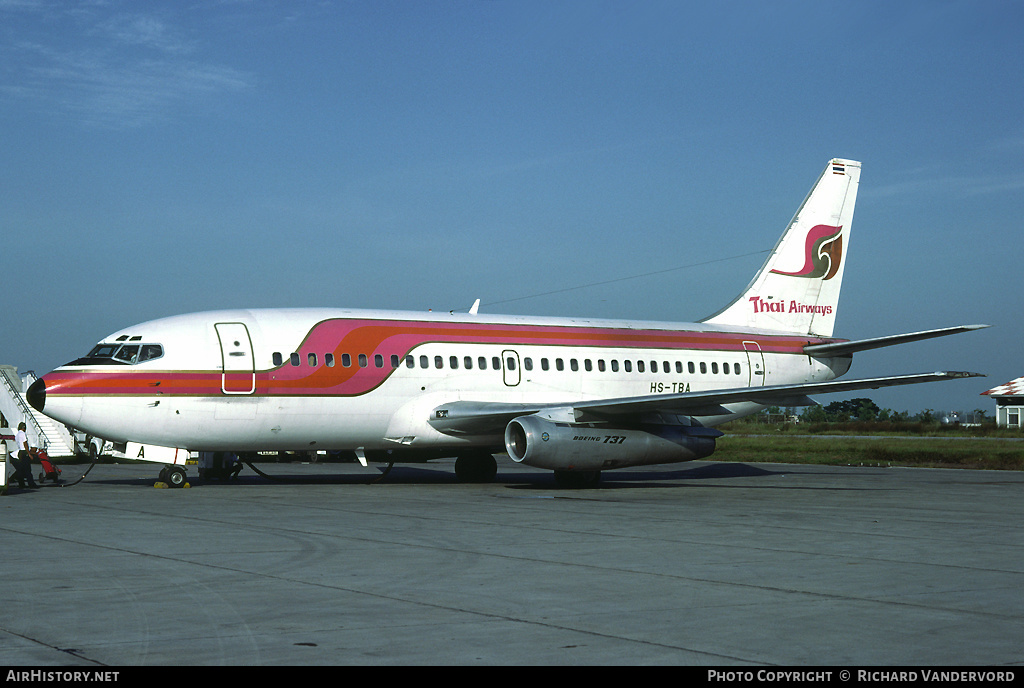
[483, 418]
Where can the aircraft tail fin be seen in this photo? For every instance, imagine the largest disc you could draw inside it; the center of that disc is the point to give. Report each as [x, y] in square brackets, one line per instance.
[797, 288]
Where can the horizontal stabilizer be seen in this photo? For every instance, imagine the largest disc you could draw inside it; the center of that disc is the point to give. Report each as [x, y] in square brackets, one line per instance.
[846, 348]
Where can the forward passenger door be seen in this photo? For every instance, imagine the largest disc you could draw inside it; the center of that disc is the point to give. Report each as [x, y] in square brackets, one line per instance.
[237, 364]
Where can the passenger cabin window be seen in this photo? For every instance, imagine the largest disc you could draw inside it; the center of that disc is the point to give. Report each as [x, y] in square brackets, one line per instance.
[131, 353]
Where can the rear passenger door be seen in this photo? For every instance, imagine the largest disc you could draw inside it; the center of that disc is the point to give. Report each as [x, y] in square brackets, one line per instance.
[755, 364]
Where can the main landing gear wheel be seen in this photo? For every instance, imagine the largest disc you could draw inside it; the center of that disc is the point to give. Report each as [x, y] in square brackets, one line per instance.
[476, 468]
[577, 480]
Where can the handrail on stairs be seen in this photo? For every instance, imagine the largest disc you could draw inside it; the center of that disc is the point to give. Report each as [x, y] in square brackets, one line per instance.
[27, 412]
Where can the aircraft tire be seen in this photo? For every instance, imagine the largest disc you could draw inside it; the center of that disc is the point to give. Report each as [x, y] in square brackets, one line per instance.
[176, 477]
[476, 468]
[577, 480]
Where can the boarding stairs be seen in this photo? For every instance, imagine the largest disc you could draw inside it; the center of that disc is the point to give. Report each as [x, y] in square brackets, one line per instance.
[42, 431]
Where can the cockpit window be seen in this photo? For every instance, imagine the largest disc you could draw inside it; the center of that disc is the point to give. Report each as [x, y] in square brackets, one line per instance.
[103, 351]
[129, 353]
[118, 354]
[150, 351]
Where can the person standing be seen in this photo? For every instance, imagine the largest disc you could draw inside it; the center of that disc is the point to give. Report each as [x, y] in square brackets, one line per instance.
[3, 461]
[23, 464]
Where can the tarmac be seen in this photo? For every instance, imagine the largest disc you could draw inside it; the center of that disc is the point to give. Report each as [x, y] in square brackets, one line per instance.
[706, 564]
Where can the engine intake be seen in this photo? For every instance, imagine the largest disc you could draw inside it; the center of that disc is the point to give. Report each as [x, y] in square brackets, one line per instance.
[538, 442]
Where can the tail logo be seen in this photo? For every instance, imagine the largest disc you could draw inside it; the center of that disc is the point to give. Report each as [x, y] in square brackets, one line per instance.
[823, 252]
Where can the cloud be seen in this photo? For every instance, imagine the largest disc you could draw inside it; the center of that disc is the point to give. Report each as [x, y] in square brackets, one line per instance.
[146, 31]
[934, 181]
[124, 70]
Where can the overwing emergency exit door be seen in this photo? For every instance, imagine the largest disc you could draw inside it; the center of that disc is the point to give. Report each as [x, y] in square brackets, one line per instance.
[237, 364]
[510, 366]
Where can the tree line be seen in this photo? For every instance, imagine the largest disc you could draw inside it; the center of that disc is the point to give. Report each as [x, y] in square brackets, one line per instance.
[865, 410]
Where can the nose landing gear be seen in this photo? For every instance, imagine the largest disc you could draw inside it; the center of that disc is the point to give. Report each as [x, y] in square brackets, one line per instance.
[173, 476]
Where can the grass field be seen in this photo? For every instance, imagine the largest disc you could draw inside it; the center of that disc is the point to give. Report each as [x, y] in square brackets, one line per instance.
[856, 444]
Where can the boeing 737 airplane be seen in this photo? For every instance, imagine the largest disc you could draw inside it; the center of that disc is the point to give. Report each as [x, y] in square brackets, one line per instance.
[573, 395]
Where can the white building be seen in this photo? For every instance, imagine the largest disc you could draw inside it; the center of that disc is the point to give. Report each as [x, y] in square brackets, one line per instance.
[1009, 403]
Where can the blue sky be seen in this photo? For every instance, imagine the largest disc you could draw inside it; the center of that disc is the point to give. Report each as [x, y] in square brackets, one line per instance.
[162, 158]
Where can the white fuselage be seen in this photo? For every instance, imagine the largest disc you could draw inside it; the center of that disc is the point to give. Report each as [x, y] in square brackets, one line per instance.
[332, 379]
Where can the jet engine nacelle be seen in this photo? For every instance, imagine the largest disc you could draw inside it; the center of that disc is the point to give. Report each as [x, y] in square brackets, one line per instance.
[538, 442]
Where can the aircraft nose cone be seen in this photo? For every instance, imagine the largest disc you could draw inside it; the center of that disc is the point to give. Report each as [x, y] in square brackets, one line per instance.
[36, 395]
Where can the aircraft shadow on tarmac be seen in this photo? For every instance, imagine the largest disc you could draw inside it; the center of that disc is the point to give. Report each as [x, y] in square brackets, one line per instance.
[440, 474]
[680, 478]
